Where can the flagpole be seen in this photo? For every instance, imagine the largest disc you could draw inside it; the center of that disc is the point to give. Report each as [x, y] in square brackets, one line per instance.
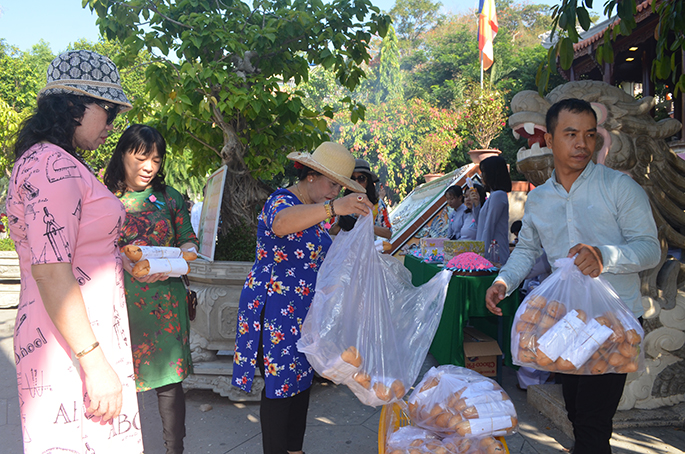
[481, 70]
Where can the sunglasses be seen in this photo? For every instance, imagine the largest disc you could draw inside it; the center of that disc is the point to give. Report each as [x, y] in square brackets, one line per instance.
[111, 109]
[359, 178]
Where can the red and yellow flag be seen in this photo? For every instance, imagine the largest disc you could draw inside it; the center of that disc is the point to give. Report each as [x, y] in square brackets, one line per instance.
[487, 30]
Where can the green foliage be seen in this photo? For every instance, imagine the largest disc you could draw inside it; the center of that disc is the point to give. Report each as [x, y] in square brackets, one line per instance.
[180, 173]
[402, 140]
[22, 75]
[412, 18]
[6, 244]
[670, 35]
[237, 244]
[10, 120]
[224, 95]
[484, 113]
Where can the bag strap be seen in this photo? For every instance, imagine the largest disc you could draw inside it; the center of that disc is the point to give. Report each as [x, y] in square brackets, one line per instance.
[167, 199]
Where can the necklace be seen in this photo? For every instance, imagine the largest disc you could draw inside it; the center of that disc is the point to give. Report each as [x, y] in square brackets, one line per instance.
[299, 193]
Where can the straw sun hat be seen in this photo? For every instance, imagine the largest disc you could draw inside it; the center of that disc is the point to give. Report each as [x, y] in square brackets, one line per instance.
[87, 73]
[332, 160]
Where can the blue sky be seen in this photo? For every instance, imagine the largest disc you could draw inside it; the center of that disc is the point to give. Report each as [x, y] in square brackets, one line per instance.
[61, 22]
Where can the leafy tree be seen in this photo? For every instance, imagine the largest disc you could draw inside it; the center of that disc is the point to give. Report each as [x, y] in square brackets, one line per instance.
[389, 75]
[402, 141]
[22, 75]
[484, 113]
[669, 33]
[412, 18]
[10, 120]
[224, 94]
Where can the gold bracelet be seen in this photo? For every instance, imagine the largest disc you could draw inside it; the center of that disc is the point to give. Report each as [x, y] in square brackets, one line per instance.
[327, 206]
[87, 350]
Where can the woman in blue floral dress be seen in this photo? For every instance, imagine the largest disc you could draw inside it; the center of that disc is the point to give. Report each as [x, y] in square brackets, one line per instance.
[291, 245]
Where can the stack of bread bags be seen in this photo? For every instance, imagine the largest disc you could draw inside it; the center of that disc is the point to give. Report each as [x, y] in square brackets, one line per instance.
[459, 411]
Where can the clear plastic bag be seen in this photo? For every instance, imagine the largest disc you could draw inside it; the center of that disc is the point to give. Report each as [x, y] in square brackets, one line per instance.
[576, 324]
[455, 401]
[368, 326]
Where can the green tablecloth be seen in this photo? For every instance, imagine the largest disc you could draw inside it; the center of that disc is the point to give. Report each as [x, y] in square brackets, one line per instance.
[465, 303]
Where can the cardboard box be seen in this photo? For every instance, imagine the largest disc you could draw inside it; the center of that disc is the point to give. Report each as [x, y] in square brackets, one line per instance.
[481, 352]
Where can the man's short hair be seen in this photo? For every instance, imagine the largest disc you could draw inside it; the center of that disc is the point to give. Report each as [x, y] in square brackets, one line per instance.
[573, 105]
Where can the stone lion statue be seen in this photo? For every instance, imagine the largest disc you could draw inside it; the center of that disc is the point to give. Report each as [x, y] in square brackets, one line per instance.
[632, 142]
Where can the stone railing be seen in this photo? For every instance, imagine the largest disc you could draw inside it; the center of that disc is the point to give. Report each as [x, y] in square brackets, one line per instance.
[9, 279]
[212, 333]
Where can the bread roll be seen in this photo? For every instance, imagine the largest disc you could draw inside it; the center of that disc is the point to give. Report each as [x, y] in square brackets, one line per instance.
[598, 367]
[528, 340]
[632, 337]
[352, 356]
[531, 315]
[382, 391]
[133, 252]
[536, 301]
[398, 389]
[627, 368]
[564, 364]
[141, 268]
[547, 321]
[543, 360]
[581, 315]
[627, 350]
[527, 356]
[555, 309]
[443, 419]
[616, 359]
[431, 383]
[363, 379]
[189, 255]
[522, 327]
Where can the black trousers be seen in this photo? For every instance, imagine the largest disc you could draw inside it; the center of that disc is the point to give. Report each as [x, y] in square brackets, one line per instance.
[172, 408]
[591, 402]
[283, 420]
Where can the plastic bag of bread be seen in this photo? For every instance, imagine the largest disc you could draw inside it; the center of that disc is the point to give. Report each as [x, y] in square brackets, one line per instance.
[453, 400]
[576, 324]
[368, 326]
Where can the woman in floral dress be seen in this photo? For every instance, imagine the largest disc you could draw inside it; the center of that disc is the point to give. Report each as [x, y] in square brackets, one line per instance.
[155, 216]
[71, 337]
[291, 246]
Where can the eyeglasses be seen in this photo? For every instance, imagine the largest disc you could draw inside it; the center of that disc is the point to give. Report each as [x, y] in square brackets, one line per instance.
[111, 109]
[359, 178]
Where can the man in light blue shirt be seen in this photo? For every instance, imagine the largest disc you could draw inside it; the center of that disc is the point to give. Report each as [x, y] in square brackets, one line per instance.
[605, 218]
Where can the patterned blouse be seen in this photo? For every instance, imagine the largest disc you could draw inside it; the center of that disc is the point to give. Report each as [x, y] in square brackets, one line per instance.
[275, 300]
